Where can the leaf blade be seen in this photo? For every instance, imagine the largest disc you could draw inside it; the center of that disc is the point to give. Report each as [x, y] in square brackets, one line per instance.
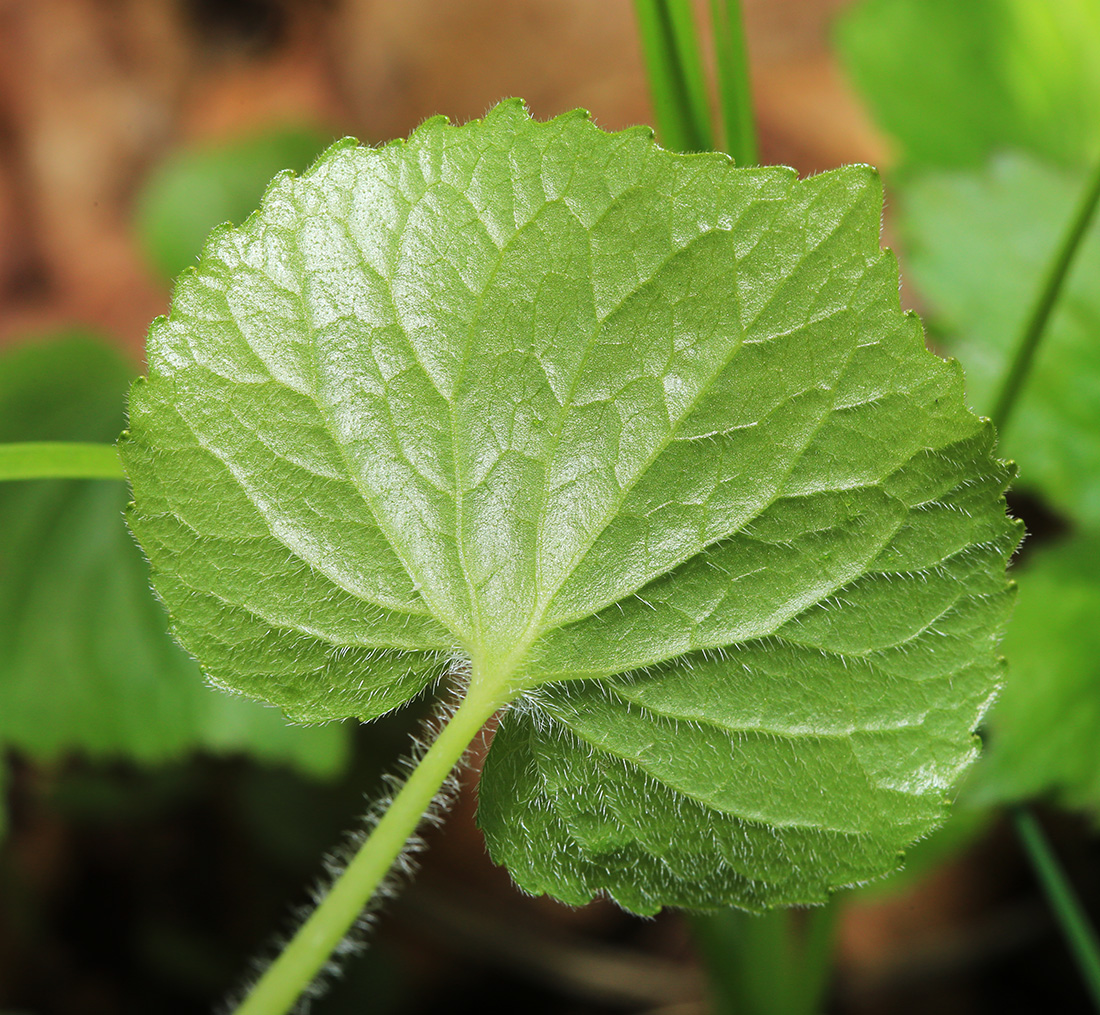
[598, 418]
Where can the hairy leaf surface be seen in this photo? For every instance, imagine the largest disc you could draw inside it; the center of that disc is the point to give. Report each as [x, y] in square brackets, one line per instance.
[979, 245]
[86, 663]
[645, 438]
[956, 82]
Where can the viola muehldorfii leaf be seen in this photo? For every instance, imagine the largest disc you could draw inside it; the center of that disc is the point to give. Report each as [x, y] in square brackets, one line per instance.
[641, 442]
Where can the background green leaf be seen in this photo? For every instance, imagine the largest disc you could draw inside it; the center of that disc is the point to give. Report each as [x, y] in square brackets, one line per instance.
[977, 244]
[1005, 94]
[1043, 731]
[198, 188]
[85, 660]
[955, 82]
[646, 439]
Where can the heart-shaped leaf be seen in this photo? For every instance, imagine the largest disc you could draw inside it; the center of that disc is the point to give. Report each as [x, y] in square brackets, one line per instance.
[643, 439]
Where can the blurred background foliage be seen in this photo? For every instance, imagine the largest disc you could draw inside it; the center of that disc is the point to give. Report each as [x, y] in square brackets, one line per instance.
[155, 829]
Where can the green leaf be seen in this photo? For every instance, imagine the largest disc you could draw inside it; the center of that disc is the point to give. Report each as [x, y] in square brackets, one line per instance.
[978, 246]
[87, 664]
[955, 82]
[1044, 732]
[644, 438]
[198, 188]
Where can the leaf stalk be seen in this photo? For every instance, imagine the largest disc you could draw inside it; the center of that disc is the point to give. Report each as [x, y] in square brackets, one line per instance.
[734, 89]
[305, 956]
[1075, 925]
[59, 460]
[772, 963]
[1045, 301]
[677, 84]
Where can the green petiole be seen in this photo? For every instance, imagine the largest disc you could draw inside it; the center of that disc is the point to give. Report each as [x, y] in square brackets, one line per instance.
[1079, 934]
[299, 963]
[772, 963]
[57, 460]
[1045, 301]
[732, 70]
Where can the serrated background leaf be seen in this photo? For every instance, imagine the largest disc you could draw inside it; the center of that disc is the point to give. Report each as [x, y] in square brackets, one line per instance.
[85, 660]
[978, 245]
[954, 83]
[640, 434]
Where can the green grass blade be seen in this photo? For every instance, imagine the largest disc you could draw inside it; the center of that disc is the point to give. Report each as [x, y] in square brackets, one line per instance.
[1074, 923]
[59, 460]
[670, 46]
[1045, 301]
[774, 963]
[734, 89]
[749, 960]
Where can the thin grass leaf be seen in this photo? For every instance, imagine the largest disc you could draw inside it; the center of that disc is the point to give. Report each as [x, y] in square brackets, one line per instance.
[734, 89]
[670, 45]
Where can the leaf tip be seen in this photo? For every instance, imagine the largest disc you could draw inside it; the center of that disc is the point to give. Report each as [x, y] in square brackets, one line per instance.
[431, 123]
[511, 107]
